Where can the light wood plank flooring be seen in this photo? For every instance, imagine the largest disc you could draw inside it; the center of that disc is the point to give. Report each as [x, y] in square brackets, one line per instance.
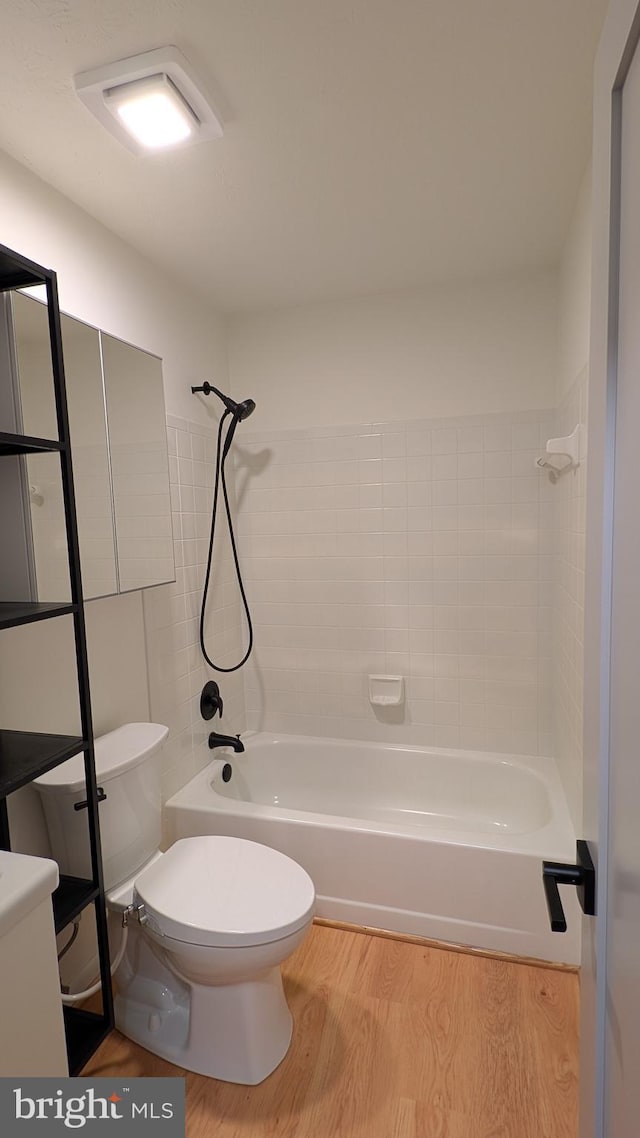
[398, 1040]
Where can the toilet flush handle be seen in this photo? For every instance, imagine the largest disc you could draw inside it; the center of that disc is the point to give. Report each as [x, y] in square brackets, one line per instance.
[83, 805]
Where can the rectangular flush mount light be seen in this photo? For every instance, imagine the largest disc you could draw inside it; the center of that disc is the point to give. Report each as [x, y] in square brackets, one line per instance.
[153, 111]
[150, 101]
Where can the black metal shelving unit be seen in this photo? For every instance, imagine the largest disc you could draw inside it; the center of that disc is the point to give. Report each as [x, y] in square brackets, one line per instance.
[25, 755]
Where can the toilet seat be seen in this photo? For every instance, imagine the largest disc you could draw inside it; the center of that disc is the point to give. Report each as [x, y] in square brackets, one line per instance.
[225, 892]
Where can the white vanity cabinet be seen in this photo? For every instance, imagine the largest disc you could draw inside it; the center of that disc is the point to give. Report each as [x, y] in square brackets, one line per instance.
[32, 1039]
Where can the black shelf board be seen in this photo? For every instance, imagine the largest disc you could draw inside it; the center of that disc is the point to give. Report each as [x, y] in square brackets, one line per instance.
[70, 898]
[13, 613]
[85, 1032]
[24, 755]
[26, 444]
[16, 273]
[19, 272]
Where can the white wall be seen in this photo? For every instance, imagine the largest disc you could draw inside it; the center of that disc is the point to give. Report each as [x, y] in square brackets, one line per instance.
[484, 347]
[569, 496]
[575, 292]
[105, 282]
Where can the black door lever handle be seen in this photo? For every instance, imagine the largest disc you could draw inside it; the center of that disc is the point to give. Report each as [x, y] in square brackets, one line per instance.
[555, 873]
[582, 875]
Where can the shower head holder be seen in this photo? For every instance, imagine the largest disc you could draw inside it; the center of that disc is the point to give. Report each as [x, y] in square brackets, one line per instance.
[239, 411]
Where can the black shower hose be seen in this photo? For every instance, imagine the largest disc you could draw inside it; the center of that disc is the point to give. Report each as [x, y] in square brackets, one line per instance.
[221, 457]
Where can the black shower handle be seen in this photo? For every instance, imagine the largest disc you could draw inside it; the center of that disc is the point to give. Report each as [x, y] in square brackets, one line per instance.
[582, 875]
[211, 700]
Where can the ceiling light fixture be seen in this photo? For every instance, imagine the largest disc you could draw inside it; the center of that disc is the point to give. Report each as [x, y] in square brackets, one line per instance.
[153, 111]
[150, 102]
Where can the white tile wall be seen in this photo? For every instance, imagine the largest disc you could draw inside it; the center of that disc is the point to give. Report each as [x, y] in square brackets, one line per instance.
[177, 672]
[432, 549]
[568, 638]
[420, 548]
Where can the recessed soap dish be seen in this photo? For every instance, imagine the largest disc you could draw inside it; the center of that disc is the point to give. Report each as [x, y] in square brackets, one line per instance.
[386, 691]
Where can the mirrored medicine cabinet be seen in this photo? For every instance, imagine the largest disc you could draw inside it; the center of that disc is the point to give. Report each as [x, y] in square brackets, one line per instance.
[117, 426]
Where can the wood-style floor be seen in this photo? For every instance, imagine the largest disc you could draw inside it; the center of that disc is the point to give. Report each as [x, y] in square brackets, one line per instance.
[398, 1040]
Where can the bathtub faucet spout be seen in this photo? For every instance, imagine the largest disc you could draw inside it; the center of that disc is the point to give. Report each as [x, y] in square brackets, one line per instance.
[234, 741]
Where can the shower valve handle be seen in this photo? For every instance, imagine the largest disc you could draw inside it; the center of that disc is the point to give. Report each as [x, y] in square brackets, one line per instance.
[211, 700]
[582, 875]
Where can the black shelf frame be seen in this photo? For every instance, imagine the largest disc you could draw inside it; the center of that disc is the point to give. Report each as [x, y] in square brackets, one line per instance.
[17, 271]
[13, 613]
[24, 755]
[70, 898]
[26, 444]
[84, 1030]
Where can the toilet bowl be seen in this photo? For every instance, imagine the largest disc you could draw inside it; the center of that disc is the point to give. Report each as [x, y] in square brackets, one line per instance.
[209, 922]
[200, 982]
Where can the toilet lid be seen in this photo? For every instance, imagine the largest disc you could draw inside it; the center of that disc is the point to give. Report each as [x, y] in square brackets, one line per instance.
[220, 891]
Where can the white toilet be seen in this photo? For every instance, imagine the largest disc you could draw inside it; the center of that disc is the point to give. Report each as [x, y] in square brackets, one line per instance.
[209, 922]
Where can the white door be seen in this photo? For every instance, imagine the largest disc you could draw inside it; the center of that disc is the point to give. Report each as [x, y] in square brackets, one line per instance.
[611, 961]
[622, 1039]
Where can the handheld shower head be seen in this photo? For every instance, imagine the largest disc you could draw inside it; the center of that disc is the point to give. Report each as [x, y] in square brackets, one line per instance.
[234, 413]
[244, 409]
[239, 411]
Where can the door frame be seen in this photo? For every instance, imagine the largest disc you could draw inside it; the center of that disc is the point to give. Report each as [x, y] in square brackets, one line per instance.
[620, 36]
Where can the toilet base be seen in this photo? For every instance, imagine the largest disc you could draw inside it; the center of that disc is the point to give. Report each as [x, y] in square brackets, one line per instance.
[252, 1032]
[238, 1033]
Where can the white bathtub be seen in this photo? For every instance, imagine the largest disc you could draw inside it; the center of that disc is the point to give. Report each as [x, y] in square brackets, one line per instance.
[441, 844]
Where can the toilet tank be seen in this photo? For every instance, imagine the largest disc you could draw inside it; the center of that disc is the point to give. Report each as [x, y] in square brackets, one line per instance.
[128, 771]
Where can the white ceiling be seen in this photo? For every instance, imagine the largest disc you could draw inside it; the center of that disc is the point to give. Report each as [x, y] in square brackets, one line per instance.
[369, 144]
